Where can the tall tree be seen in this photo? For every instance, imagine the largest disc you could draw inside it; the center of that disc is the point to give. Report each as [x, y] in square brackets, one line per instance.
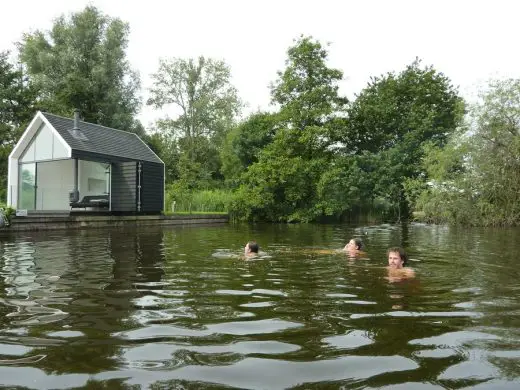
[198, 93]
[17, 105]
[393, 117]
[245, 141]
[81, 63]
[307, 90]
[308, 97]
[476, 178]
[202, 105]
[283, 184]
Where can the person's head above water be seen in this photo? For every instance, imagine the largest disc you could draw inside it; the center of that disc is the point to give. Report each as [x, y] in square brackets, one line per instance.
[397, 257]
[355, 244]
[251, 248]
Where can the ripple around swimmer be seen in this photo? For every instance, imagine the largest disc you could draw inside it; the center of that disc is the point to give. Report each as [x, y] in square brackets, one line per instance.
[419, 314]
[233, 292]
[357, 302]
[340, 295]
[150, 301]
[257, 304]
[260, 291]
[233, 328]
[164, 351]
[465, 305]
[139, 285]
[474, 290]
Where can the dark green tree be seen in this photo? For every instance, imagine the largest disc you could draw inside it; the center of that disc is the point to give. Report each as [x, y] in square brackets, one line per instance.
[202, 106]
[393, 117]
[244, 143]
[283, 184]
[17, 106]
[475, 179]
[307, 94]
[81, 63]
[199, 95]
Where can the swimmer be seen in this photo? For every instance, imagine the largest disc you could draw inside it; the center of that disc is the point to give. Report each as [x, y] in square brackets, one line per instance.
[251, 249]
[397, 265]
[354, 247]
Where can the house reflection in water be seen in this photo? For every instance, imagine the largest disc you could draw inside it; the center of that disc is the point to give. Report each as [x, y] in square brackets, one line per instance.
[71, 291]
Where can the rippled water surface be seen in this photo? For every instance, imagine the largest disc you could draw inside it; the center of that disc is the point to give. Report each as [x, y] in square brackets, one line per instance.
[176, 308]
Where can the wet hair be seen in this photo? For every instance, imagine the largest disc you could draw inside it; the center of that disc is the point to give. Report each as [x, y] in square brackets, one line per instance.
[402, 254]
[359, 243]
[253, 246]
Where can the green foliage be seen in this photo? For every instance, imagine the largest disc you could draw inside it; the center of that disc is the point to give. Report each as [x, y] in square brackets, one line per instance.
[476, 178]
[244, 143]
[404, 110]
[204, 105]
[282, 184]
[17, 105]
[196, 201]
[9, 212]
[278, 188]
[201, 91]
[393, 118]
[307, 90]
[81, 63]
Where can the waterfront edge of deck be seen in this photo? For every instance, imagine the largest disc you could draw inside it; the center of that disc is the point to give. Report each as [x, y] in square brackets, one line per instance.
[56, 222]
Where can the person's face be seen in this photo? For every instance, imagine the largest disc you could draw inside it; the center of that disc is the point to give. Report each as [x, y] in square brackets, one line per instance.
[394, 260]
[246, 249]
[351, 246]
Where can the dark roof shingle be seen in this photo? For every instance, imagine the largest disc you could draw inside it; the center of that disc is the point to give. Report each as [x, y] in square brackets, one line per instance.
[103, 140]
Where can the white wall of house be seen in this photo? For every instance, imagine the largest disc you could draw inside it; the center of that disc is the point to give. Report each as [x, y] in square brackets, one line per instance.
[40, 144]
[12, 182]
[54, 181]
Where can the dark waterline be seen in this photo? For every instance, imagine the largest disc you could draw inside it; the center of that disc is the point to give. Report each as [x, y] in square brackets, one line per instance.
[176, 308]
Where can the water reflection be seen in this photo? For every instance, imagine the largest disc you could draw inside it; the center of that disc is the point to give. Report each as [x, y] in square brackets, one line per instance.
[68, 293]
[154, 307]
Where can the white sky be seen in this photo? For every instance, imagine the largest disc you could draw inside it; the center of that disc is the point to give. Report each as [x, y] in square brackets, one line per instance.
[469, 41]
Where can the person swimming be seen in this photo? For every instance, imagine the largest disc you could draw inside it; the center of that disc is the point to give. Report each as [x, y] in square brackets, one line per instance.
[251, 249]
[397, 265]
[354, 247]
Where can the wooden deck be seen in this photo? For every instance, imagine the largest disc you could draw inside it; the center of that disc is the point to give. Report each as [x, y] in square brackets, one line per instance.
[54, 220]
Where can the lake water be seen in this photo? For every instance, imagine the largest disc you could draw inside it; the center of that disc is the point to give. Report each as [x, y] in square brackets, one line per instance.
[175, 308]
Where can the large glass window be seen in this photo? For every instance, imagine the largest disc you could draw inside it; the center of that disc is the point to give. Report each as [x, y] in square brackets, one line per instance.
[27, 195]
[44, 146]
[93, 178]
[43, 143]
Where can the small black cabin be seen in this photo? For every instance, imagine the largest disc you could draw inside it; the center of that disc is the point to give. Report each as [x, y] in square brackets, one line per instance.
[67, 164]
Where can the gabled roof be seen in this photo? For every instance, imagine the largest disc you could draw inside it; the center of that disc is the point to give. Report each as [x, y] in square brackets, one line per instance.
[102, 140]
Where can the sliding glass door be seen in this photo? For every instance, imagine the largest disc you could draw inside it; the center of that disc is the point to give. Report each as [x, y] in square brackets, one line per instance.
[27, 193]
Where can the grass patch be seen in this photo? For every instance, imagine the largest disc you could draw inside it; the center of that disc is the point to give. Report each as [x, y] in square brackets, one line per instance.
[196, 213]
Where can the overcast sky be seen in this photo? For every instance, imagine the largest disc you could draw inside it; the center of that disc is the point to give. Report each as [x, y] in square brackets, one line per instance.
[469, 41]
